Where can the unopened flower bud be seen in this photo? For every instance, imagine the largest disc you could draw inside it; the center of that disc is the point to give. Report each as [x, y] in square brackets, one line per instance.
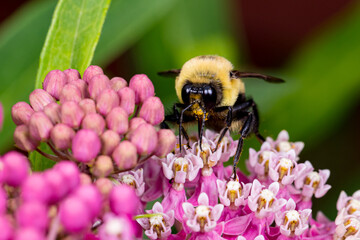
[106, 100]
[97, 84]
[127, 99]
[70, 172]
[21, 113]
[29, 233]
[82, 86]
[72, 74]
[39, 98]
[135, 122]
[118, 83]
[92, 71]
[74, 214]
[104, 185]
[142, 87]
[16, 168]
[166, 142]
[117, 120]
[7, 231]
[33, 215]
[70, 92]
[23, 140]
[71, 114]
[103, 166]
[94, 122]
[54, 82]
[57, 188]
[152, 111]
[109, 140]
[91, 196]
[123, 195]
[40, 126]
[85, 179]
[35, 188]
[125, 155]
[144, 137]
[87, 105]
[61, 135]
[86, 145]
[53, 111]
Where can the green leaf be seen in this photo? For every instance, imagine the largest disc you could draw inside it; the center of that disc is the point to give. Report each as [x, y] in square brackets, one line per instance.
[72, 37]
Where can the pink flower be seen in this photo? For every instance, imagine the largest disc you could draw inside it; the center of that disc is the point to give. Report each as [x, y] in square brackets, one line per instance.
[311, 182]
[260, 161]
[134, 179]
[209, 157]
[263, 200]
[181, 168]
[115, 226]
[285, 168]
[291, 221]
[282, 144]
[227, 145]
[233, 193]
[321, 228]
[347, 226]
[204, 217]
[158, 224]
[350, 203]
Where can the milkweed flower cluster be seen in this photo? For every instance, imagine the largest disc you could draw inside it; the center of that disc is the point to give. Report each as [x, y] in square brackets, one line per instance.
[116, 161]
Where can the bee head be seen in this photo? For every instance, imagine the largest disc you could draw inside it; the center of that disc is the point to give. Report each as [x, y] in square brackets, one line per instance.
[204, 94]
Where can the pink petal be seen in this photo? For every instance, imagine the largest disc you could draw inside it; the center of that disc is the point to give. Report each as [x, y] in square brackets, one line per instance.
[274, 187]
[158, 208]
[290, 205]
[168, 172]
[216, 211]
[188, 209]
[322, 191]
[180, 177]
[341, 200]
[283, 136]
[203, 199]
[237, 225]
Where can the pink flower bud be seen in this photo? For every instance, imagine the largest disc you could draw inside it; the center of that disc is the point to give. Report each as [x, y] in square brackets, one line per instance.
[56, 186]
[125, 155]
[142, 87]
[39, 98]
[107, 100]
[71, 114]
[97, 84]
[16, 168]
[61, 135]
[86, 145]
[33, 214]
[103, 166]
[152, 111]
[88, 106]
[54, 82]
[118, 83]
[70, 172]
[117, 120]
[82, 86]
[35, 188]
[85, 179]
[70, 92]
[94, 122]
[135, 122]
[109, 140]
[74, 214]
[123, 200]
[53, 112]
[144, 137]
[21, 113]
[166, 142]
[127, 99]
[104, 185]
[40, 126]
[29, 233]
[91, 196]
[6, 228]
[92, 71]
[72, 74]
[23, 140]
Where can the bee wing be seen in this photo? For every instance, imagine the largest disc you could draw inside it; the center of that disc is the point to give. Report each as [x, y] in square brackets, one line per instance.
[267, 78]
[170, 73]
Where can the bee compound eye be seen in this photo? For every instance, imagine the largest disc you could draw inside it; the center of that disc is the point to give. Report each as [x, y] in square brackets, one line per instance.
[209, 96]
[185, 93]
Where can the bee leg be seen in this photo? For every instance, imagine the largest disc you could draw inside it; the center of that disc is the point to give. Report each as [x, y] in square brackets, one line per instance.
[244, 132]
[201, 126]
[181, 121]
[186, 136]
[228, 124]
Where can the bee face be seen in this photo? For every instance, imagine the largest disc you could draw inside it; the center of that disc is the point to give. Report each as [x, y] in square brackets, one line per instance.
[204, 94]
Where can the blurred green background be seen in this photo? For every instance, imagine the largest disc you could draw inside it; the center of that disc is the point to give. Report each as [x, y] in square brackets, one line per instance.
[313, 45]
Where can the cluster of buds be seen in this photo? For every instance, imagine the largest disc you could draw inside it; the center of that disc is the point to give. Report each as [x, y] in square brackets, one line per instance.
[103, 124]
[40, 206]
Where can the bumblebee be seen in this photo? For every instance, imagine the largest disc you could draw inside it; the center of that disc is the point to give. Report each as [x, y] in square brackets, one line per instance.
[212, 94]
